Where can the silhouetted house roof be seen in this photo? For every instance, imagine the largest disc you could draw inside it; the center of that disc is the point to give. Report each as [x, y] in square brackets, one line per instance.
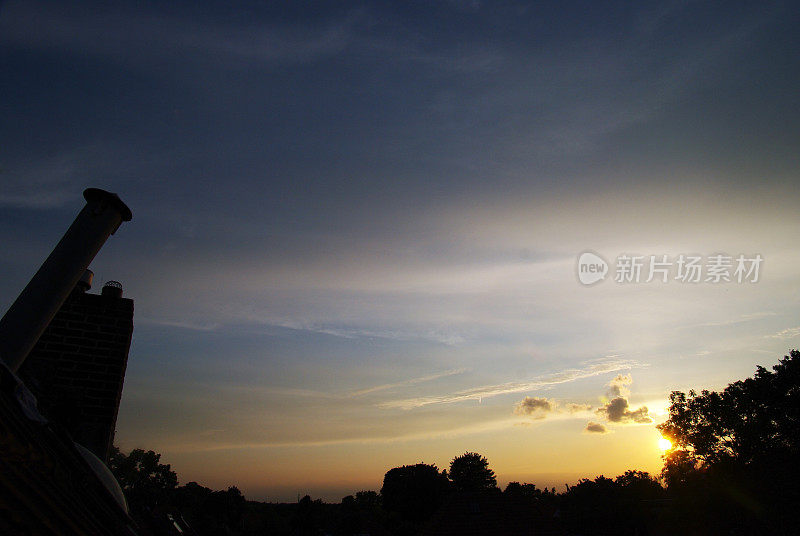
[46, 485]
[490, 513]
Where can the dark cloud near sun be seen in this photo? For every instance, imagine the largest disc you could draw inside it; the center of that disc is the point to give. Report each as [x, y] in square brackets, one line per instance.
[618, 410]
[535, 407]
[595, 428]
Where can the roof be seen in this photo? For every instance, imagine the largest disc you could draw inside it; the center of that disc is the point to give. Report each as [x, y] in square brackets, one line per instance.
[46, 487]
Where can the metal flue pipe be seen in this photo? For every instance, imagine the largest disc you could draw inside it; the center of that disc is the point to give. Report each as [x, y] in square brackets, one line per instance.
[37, 304]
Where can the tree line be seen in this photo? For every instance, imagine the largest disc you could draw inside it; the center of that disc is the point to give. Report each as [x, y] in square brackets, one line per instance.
[733, 469]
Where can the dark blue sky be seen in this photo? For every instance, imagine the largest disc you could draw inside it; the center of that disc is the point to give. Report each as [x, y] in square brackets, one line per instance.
[341, 207]
[305, 115]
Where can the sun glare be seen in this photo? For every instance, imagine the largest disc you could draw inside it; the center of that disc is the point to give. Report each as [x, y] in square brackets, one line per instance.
[664, 444]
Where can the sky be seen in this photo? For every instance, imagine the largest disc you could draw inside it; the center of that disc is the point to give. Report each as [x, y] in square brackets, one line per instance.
[356, 225]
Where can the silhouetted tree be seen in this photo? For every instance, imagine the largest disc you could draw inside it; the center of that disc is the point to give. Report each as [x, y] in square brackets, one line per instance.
[226, 506]
[749, 421]
[590, 506]
[736, 451]
[190, 494]
[209, 512]
[620, 506]
[308, 517]
[521, 490]
[414, 492]
[470, 472]
[544, 499]
[367, 500]
[680, 468]
[144, 480]
[639, 486]
[349, 521]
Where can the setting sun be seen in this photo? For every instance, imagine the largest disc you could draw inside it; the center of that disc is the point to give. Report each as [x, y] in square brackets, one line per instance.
[664, 444]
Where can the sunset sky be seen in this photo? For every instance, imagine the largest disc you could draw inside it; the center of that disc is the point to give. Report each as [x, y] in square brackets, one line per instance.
[356, 225]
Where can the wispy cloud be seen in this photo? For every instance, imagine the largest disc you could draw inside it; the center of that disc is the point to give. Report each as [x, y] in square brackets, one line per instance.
[578, 408]
[412, 381]
[211, 432]
[449, 339]
[609, 364]
[743, 318]
[194, 326]
[125, 35]
[50, 181]
[195, 446]
[788, 333]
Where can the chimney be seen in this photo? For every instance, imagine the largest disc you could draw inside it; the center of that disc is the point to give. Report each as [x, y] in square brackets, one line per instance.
[39, 301]
[112, 289]
[85, 282]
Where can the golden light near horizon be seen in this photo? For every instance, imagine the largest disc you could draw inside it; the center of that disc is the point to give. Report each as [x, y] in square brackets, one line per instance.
[664, 444]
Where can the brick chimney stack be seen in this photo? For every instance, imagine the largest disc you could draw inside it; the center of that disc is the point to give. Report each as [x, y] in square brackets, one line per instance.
[77, 368]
